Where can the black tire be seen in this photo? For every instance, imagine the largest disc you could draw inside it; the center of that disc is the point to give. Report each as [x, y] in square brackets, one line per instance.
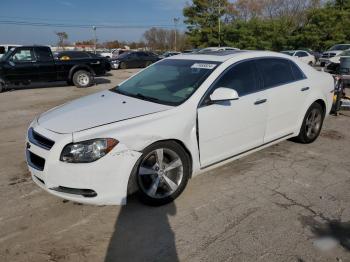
[305, 135]
[142, 180]
[123, 65]
[82, 79]
[2, 87]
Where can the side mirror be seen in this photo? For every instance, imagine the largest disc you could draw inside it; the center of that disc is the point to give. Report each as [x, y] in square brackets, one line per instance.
[224, 94]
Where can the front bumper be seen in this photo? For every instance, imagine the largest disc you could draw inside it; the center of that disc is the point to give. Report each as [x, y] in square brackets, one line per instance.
[103, 182]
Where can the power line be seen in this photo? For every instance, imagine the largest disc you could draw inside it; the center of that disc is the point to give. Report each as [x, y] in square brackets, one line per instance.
[104, 26]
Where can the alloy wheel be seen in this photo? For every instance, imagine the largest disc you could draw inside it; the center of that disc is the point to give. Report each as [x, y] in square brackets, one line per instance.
[313, 123]
[160, 173]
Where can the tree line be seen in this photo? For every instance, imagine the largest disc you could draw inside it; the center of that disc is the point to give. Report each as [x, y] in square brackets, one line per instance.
[268, 24]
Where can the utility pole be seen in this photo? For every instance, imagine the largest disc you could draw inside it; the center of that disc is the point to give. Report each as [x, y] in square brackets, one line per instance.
[176, 21]
[219, 20]
[95, 38]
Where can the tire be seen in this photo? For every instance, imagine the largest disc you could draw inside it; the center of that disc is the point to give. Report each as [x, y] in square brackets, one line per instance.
[123, 65]
[148, 63]
[312, 124]
[82, 79]
[161, 173]
[2, 87]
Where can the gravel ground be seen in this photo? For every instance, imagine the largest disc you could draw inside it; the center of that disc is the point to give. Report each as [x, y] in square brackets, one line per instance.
[289, 202]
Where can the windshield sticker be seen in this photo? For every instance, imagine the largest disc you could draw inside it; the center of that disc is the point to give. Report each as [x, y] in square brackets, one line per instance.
[203, 66]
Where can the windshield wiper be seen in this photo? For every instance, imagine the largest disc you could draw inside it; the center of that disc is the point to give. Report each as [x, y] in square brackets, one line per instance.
[143, 97]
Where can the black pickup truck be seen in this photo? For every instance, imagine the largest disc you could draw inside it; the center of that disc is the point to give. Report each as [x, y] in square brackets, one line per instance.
[27, 64]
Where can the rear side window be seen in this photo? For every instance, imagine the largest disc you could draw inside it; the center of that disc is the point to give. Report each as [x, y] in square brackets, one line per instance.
[241, 77]
[297, 73]
[43, 54]
[275, 71]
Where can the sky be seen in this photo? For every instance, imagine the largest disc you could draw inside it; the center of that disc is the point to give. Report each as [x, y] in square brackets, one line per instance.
[127, 19]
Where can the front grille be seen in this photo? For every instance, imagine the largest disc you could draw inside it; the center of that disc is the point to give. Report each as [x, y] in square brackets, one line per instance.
[35, 161]
[39, 140]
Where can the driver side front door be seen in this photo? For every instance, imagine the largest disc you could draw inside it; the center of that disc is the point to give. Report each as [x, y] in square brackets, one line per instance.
[22, 66]
[229, 128]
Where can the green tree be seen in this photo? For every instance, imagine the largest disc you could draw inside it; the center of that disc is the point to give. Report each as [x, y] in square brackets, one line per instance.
[202, 19]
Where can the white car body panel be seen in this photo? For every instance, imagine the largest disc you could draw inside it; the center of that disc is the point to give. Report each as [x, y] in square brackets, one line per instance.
[142, 123]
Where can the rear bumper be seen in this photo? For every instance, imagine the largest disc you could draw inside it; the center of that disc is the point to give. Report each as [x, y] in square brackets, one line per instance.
[103, 182]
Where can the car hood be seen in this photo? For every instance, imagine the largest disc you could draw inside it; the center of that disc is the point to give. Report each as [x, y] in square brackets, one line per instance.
[96, 110]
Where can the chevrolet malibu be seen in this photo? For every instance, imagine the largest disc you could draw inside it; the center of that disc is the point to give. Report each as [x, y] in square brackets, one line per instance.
[172, 121]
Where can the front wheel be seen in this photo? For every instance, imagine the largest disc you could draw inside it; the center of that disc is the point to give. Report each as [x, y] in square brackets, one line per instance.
[82, 79]
[162, 173]
[312, 124]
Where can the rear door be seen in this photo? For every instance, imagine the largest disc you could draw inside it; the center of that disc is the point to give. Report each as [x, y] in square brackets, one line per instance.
[286, 88]
[229, 128]
[46, 64]
[22, 66]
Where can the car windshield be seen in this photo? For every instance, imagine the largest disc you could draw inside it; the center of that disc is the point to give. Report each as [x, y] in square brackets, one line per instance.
[124, 54]
[7, 54]
[339, 47]
[169, 82]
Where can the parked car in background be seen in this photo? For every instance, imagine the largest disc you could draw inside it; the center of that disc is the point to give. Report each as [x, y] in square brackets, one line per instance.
[215, 49]
[105, 53]
[27, 64]
[134, 59]
[5, 48]
[304, 56]
[333, 65]
[118, 52]
[172, 121]
[168, 54]
[332, 52]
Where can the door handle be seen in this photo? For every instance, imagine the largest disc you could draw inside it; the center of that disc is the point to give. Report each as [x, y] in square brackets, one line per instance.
[261, 101]
[305, 89]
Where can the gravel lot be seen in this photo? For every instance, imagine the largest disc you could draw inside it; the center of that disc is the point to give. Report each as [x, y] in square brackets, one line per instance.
[274, 205]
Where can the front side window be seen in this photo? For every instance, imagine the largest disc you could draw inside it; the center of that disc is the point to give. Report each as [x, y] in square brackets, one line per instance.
[23, 55]
[241, 77]
[275, 71]
[168, 82]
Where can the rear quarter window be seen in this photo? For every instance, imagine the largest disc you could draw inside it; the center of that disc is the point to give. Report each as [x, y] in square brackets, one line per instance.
[297, 73]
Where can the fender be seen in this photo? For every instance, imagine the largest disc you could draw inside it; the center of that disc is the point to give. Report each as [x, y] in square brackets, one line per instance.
[78, 67]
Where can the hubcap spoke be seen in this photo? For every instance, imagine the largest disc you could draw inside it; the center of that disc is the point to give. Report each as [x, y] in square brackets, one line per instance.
[176, 163]
[173, 186]
[146, 171]
[153, 189]
[159, 157]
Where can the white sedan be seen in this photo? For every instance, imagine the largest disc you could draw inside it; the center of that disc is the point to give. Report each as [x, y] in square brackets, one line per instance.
[174, 120]
[304, 56]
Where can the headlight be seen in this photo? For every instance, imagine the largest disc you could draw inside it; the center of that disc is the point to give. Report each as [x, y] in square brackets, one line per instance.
[87, 151]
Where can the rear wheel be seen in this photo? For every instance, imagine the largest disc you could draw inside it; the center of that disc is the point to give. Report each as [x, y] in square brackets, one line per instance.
[312, 124]
[162, 173]
[122, 65]
[82, 79]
